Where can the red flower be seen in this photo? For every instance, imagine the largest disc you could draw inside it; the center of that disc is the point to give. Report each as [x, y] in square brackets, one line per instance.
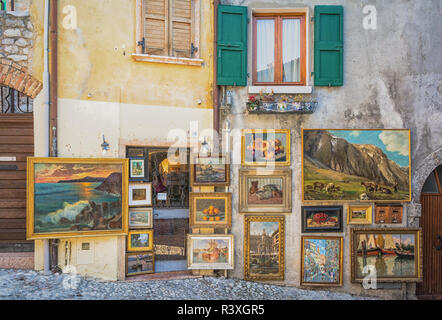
[252, 98]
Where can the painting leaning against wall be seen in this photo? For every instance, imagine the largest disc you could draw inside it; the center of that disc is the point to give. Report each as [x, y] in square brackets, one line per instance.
[356, 165]
[73, 197]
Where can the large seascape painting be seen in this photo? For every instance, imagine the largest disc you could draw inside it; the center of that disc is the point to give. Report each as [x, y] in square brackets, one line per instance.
[358, 165]
[394, 254]
[76, 196]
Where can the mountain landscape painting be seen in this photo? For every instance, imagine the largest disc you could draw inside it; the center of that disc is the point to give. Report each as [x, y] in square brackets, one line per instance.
[77, 197]
[359, 165]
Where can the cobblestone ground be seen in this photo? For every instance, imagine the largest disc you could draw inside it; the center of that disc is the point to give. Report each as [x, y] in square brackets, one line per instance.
[28, 284]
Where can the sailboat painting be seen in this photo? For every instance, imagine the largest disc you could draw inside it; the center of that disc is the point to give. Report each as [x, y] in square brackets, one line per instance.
[393, 253]
[210, 251]
[72, 197]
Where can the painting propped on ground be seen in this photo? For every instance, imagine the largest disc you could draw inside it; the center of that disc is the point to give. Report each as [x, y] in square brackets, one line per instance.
[358, 165]
[76, 197]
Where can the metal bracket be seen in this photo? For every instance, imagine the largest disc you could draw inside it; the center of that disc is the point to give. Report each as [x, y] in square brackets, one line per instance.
[193, 49]
[142, 43]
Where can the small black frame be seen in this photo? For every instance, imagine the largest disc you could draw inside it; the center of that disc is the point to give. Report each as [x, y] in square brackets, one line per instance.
[335, 211]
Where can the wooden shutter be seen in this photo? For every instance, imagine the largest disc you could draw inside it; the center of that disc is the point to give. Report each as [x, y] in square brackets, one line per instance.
[329, 46]
[232, 45]
[181, 28]
[156, 26]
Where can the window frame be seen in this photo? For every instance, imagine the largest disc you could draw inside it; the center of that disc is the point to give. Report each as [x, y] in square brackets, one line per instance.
[278, 75]
[140, 56]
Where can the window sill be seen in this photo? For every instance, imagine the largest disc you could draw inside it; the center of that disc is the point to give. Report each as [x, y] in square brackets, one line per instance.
[281, 89]
[169, 60]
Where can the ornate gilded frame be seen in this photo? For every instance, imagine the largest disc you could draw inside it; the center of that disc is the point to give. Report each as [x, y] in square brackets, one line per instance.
[367, 207]
[355, 200]
[194, 196]
[284, 173]
[341, 257]
[208, 266]
[139, 253]
[287, 132]
[281, 258]
[418, 247]
[31, 161]
[148, 248]
[193, 183]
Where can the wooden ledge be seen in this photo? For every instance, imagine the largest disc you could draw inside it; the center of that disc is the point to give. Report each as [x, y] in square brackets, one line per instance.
[170, 60]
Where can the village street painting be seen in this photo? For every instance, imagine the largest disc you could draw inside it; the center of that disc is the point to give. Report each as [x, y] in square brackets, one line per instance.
[358, 165]
[73, 197]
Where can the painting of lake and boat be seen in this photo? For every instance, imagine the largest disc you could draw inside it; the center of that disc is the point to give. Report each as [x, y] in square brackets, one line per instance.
[210, 252]
[74, 196]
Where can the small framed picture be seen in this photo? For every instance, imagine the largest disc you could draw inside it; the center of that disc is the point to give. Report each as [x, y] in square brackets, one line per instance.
[140, 218]
[388, 213]
[210, 171]
[140, 194]
[140, 263]
[141, 240]
[136, 168]
[360, 214]
[321, 219]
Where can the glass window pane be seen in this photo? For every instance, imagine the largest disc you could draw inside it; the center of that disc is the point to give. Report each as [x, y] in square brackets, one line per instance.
[291, 50]
[430, 185]
[265, 50]
[439, 173]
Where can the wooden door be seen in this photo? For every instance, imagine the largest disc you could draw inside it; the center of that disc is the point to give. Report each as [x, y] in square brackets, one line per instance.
[431, 223]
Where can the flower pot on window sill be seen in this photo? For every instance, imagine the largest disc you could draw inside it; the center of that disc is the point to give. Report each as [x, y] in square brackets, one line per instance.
[283, 107]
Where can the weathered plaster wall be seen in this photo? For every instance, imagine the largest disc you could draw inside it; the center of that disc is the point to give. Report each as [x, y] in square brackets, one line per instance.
[392, 79]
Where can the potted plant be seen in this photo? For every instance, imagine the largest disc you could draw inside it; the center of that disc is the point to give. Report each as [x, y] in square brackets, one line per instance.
[253, 103]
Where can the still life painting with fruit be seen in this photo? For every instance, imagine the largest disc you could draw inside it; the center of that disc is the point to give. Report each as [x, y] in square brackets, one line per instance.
[210, 209]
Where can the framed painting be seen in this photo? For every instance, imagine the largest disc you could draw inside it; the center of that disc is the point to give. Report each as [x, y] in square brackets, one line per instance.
[140, 263]
[69, 197]
[140, 194]
[388, 214]
[137, 168]
[140, 240]
[321, 219]
[210, 251]
[356, 165]
[265, 190]
[265, 147]
[396, 254]
[140, 218]
[360, 214]
[210, 210]
[210, 171]
[264, 244]
[321, 261]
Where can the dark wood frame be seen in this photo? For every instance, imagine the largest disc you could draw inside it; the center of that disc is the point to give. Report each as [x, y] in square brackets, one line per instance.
[278, 76]
[305, 209]
[418, 247]
[192, 168]
[139, 253]
[247, 220]
[389, 208]
[341, 264]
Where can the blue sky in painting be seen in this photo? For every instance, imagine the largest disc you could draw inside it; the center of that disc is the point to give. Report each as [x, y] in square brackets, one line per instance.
[396, 148]
[256, 227]
[320, 243]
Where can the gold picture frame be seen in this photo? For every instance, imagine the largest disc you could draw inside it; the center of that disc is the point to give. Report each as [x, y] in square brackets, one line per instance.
[354, 209]
[394, 254]
[314, 251]
[283, 159]
[140, 255]
[269, 244]
[55, 215]
[205, 210]
[225, 160]
[266, 195]
[206, 254]
[130, 241]
[343, 185]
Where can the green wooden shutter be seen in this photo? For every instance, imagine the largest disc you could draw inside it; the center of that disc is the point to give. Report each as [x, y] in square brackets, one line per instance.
[329, 46]
[232, 46]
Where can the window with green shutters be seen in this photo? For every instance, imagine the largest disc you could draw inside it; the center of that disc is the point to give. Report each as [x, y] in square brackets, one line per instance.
[329, 46]
[232, 45]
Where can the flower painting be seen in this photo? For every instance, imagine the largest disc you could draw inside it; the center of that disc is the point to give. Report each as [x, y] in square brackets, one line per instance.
[321, 261]
[266, 147]
[76, 196]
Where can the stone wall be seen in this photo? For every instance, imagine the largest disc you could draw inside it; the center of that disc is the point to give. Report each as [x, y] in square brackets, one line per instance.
[392, 79]
[16, 37]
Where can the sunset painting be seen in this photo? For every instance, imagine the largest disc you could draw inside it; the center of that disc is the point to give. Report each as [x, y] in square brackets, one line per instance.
[76, 197]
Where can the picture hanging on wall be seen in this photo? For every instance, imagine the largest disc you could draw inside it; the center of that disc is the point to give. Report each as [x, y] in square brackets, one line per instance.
[137, 168]
[140, 240]
[210, 171]
[210, 251]
[388, 214]
[140, 217]
[140, 194]
[76, 197]
[356, 165]
[210, 210]
[321, 219]
[359, 214]
[140, 263]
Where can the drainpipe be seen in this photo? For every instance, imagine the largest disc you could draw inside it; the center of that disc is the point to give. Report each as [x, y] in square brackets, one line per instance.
[46, 84]
[53, 79]
[215, 65]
